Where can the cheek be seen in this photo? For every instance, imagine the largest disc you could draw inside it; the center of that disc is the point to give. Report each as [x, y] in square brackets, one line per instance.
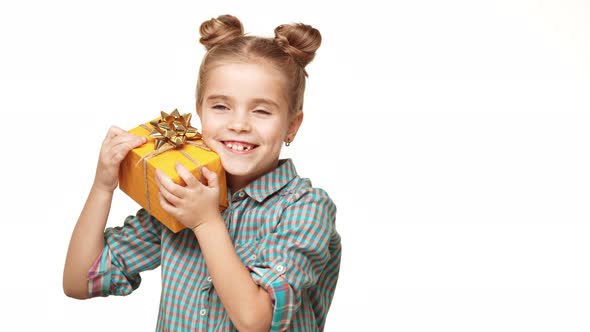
[274, 133]
[209, 125]
[208, 131]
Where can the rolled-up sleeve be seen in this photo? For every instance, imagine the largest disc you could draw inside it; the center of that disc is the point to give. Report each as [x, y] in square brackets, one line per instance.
[128, 250]
[293, 256]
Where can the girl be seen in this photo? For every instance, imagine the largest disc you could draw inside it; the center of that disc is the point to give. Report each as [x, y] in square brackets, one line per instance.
[271, 259]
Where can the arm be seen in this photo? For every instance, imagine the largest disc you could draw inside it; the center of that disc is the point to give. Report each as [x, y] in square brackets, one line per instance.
[86, 243]
[290, 260]
[87, 239]
[248, 305]
[298, 262]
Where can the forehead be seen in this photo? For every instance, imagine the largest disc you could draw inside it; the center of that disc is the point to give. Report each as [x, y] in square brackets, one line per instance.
[246, 81]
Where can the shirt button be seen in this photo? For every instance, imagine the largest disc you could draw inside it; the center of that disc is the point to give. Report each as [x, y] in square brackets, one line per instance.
[241, 194]
[280, 268]
[253, 257]
[203, 312]
[209, 279]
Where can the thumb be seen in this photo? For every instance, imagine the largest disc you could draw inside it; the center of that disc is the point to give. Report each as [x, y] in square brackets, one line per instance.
[212, 180]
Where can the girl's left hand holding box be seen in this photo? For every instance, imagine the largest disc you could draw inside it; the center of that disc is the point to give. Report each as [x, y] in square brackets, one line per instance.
[193, 204]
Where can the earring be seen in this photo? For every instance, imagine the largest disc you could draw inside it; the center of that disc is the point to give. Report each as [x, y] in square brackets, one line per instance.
[288, 141]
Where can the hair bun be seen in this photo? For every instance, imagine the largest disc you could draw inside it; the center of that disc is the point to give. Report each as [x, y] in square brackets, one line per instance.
[299, 40]
[220, 30]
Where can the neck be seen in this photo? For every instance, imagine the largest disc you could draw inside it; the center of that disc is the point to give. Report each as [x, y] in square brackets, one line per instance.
[236, 183]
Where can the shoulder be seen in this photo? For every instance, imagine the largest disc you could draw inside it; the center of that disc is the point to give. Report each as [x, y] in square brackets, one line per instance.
[300, 193]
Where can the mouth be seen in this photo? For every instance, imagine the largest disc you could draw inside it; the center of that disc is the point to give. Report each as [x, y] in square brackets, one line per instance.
[237, 146]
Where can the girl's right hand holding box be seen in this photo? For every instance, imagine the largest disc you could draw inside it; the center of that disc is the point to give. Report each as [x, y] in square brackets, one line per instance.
[115, 147]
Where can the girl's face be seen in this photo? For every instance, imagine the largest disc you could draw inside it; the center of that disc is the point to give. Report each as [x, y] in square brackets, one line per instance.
[245, 119]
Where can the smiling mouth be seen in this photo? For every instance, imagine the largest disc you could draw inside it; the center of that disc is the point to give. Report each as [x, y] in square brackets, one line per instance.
[239, 146]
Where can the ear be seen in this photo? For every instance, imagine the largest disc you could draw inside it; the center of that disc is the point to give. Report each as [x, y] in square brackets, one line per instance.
[294, 124]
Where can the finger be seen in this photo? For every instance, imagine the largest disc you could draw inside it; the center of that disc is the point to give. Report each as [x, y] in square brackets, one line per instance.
[127, 138]
[131, 143]
[186, 176]
[113, 131]
[173, 200]
[212, 180]
[121, 145]
[171, 209]
[169, 185]
[119, 152]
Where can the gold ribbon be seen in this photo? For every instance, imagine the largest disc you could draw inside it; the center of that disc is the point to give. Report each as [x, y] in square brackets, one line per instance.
[171, 131]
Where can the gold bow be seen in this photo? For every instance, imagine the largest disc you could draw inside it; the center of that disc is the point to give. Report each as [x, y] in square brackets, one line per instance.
[173, 129]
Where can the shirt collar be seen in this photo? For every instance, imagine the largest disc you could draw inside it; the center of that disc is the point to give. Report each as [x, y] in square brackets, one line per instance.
[271, 182]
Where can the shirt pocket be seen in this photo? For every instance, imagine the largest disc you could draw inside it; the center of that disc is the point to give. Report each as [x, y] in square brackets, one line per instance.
[247, 251]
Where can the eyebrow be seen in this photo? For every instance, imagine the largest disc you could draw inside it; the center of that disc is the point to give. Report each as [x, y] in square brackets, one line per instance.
[255, 100]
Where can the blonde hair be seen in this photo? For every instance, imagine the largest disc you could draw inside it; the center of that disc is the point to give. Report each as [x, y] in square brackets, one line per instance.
[292, 48]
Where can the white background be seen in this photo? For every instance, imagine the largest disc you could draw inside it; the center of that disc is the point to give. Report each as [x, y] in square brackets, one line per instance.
[453, 136]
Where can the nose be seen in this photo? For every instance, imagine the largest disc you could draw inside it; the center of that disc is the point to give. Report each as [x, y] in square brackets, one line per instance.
[239, 122]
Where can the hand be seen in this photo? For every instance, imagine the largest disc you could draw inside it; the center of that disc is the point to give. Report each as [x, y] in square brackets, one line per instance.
[115, 147]
[194, 204]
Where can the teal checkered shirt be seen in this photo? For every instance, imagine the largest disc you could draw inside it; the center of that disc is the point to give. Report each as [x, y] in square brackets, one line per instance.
[283, 230]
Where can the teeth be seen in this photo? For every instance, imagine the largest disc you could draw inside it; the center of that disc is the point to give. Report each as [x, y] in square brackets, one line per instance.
[238, 147]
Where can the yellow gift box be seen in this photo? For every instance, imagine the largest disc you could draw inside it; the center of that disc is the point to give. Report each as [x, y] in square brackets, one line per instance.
[138, 169]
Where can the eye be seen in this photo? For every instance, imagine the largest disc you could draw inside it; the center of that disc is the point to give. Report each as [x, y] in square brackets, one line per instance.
[219, 107]
[261, 111]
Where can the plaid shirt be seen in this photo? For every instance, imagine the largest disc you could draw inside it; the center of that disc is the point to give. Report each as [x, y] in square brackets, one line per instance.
[283, 230]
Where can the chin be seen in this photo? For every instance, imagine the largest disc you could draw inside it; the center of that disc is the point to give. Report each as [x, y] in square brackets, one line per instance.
[236, 168]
